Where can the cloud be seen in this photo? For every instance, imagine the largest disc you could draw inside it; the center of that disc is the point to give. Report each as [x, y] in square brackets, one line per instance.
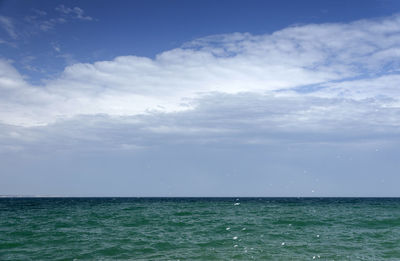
[10, 78]
[76, 12]
[42, 21]
[2, 41]
[219, 120]
[308, 83]
[7, 24]
[39, 12]
[47, 25]
[56, 47]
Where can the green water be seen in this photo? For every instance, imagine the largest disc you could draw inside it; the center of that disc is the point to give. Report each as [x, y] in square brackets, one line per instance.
[199, 229]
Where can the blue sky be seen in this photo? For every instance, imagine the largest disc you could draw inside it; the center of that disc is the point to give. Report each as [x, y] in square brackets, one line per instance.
[42, 44]
[199, 98]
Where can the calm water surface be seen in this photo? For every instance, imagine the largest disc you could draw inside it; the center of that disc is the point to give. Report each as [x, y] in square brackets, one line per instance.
[199, 229]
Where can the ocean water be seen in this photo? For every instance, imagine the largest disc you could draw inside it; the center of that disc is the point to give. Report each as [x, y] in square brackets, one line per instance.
[199, 229]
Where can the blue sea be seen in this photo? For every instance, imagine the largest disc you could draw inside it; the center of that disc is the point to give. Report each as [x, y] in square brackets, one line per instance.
[199, 229]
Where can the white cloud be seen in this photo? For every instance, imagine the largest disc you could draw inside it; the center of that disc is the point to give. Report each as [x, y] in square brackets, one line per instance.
[40, 21]
[7, 24]
[76, 12]
[384, 87]
[39, 12]
[56, 47]
[10, 77]
[220, 119]
[326, 79]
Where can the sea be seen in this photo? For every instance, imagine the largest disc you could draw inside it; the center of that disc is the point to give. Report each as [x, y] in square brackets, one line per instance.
[199, 229]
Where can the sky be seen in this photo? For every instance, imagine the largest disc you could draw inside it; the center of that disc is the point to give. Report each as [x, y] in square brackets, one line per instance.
[200, 98]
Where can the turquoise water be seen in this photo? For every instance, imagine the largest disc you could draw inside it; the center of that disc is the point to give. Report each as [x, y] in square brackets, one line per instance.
[199, 229]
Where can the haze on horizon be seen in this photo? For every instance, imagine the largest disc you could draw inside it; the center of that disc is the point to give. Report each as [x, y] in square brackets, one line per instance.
[200, 98]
